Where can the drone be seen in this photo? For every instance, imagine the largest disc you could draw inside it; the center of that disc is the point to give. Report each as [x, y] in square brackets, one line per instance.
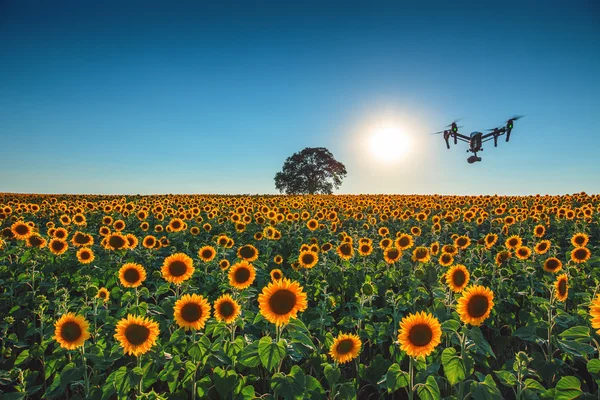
[476, 139]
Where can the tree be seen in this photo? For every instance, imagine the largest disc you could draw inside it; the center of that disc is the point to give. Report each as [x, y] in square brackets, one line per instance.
[313, 170]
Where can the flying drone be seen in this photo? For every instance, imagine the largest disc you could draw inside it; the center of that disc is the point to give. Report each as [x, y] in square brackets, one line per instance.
[476, 139]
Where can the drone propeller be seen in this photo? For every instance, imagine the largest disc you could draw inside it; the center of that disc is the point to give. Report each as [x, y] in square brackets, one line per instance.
[455, 121]
[493, 129]
[437, 133]
[516, 117]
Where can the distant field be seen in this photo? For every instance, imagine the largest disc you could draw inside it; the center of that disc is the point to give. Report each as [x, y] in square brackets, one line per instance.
[314, 297]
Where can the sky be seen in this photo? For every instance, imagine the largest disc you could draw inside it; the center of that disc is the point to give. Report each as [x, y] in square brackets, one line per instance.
[184, 97]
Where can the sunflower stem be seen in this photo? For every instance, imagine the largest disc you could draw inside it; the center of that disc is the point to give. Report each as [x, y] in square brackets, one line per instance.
[411, 373]
[86, 378]
[139, 364]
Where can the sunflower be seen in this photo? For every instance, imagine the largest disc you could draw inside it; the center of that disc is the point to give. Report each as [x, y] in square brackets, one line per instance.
[136, 335]
[71, 331]
[553, 265]
[226, 309]
[132, 275]
[248, 253]
[149, 242]
[539, 231]
[276, 275]
[523, 252]
[457, 278]
[224, 265]
[580, 255]
[103, 294]
[241, 275]
[116, 241]
[36, 240]
[191, 311]
[132, 241]
[82, 239]
[419, 334]
[561, 287]
[450, 249]
[58, 246]
[345, 251]
[312, 224]
[490, 240]
[21, 230]
[60, 233]
[207, 253]
[278, 259]
[365, 249]
[308, 259]
[462, 242]
[282, 300]
[446, 260]
[475, 305]
[176, 225]
[345, 348]
[502, 257]
[85, 255]
[513, 242]
[391, 255]
[580, 240]
[595, 313]
[421, 254]
[177, 268]
[542, 247]
[404, 242]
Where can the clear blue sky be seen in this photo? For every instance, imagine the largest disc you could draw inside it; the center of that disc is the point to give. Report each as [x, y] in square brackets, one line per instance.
[101, 97]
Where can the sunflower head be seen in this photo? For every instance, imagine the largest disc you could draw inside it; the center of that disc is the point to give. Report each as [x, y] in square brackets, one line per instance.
[457, 278]
[207, 253]
[446, 260]
[580, 239]
[392, 254]
[177, 268]
[542, 247]
[421, 254]
[85, 255]
[58, 246]
[242, 275]
[226, 309]
[580, 255]
[21, 230]
[282, 300]
[248, 253]
[132, 275]
[276, 275]
[475, 305]
[345, 348]
[136, 335]
[71, 331]
[191, 312]
[553, 265]
[103, 294]
[595, 313]
[308, 259]
[561, 287]
[419, 334]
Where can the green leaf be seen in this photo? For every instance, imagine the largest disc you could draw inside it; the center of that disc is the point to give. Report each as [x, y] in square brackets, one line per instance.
[578, 333]
[486, 389]
[506, 378]
[483, 347]
[22, 357]
[331, 374]
[575, 347]
[289, 386]
[396, 378]
[271, 353]
[224, 381]
[454, 366]
[567, 388]
[450, 326]
[593, 366]
[249, 356]
[430, 390]
[526, 333]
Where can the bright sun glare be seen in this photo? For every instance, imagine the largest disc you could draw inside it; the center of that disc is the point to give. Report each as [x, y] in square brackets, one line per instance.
[389, 142]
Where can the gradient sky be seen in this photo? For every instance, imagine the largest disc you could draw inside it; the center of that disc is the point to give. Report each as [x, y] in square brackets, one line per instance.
[175, 97]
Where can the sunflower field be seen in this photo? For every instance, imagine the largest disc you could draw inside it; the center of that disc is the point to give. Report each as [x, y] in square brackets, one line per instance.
[299, 297]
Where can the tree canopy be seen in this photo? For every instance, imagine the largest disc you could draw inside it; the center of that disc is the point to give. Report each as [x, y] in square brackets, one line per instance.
[311, 171]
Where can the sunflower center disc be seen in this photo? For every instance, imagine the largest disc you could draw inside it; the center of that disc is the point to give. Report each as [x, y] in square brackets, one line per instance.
[71, 331]
[461, 242]
[345, 249]
[242, 275]
[22, 229]
[403, 242]
[131, 275]
[562, 287]
[458, 278]
[80, 239]
[191, 312]
[345, 346]
[137, 334]
[580, 254]
[421, 254]
[206, 254]
[393, 254]
[116, 241]
[478, 306]
[551, 264]
[58, 245]
[226, 309]
[177, 268]
[35, 241]
[247, 252]
[420, 335]
[282, 302]
[308, 259]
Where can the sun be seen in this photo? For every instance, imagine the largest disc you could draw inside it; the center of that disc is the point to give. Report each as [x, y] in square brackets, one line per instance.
[388, 142]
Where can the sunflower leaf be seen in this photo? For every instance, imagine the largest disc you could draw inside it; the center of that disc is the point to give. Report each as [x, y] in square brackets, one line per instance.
[454, 366]
[271, 353]
[568, 388]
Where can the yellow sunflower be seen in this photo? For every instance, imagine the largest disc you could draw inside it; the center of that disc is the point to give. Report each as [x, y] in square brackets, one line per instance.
[191, 311]
[21, 230]
[345, 251]
[71, 331]
[580, 239]
[475, 305]
[136, 335]
[595, 313]
[457, 278]
[58, 246]
[85, 255]
[224, 265]
[580, 255]
[553, 265]
[391, 254]
[539, 231]
[241, 275]
[103, 294]
[542, 247]
[513, 242]
[490, 240]
[116, 241]
[446, 260]
[462, 242]
[207, 253]
[523, 252]
[36, 240]
[404, 241]
[278, 259]
[419, 334]
[177, 268]
[226, 309]
[276, 275]
[132, 275]
[502, 257]
[282, 300]
[248, 253]
[308, 259]
[561, 287]
[421, 254]
[345, 348]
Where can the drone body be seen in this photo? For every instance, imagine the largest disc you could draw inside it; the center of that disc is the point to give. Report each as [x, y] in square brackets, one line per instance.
[476, 139]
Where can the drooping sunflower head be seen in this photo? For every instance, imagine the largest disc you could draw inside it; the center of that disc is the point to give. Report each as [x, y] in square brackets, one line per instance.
[490, 240]
[226, 309]
[345, 348]
[542, 247]
[434, 248]
[561, 287]
[191, 311]
[553, 265]
[103, 294]
[419, 334]
[502, 257]
[136, 335]
[457, 278]
[21, 230]
[580, 254]
[132, 275]
[345, 251]
[276, 275]
[248, 253]
[71, 331]
[207, 253]
[177, 268]
[85, 255]
[242, 275]
[282, 300]
[580, 239]
[421, 254]
[475, 305]
[308, 259]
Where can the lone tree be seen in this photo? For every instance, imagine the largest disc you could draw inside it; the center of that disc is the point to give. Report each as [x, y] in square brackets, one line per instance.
[313, 170]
